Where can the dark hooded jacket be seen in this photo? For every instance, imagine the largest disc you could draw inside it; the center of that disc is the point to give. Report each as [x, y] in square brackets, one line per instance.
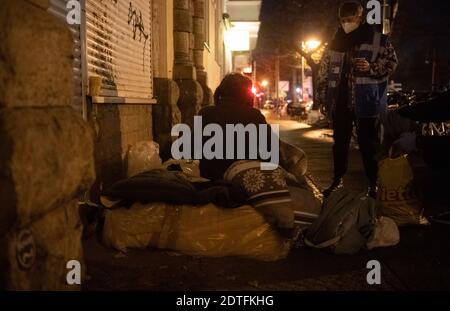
[223, 113]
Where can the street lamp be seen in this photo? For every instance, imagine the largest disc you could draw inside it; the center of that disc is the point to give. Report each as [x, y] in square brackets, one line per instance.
[265, 85]
[312, 44]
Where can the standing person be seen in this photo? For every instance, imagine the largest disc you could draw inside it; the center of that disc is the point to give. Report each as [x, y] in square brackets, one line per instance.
[352, 82]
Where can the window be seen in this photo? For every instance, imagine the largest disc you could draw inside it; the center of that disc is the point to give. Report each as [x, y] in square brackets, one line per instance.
[118, 49]
[114, 43]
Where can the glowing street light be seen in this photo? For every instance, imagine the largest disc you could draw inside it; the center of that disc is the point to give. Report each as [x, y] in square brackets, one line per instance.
[312, 44]
[308, 46]
[265, 83]
[237, 40]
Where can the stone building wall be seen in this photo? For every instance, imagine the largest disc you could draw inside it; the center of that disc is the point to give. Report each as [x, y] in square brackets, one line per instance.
[46, 150]
[177, 91]
[166, 113]
[117, 128]
[50, 157]
[214, 56]
[183, 91]
[189, 69]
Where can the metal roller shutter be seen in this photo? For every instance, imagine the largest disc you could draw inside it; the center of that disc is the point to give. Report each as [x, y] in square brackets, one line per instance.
[58, 8]
[119, 49]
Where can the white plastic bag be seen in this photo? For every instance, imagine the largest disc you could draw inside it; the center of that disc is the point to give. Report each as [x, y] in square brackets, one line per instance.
[385, 234]
[206, 230]
[143, 156]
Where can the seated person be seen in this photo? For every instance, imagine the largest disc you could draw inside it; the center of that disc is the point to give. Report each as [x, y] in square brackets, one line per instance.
[267, 190]
[233, 105]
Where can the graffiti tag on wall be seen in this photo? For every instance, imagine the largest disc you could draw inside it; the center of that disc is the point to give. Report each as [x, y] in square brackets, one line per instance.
[137, 22]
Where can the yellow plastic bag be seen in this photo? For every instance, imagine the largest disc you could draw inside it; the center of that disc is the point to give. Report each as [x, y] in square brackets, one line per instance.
[397, 196]
[198, 231]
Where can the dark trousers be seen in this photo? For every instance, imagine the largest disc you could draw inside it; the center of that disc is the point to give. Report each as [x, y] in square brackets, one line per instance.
[368, 141]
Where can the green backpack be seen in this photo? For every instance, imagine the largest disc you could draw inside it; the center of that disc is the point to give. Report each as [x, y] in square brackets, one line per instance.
[345, 224]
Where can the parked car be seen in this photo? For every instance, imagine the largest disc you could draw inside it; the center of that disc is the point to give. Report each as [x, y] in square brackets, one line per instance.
[299, 109]
[295, 109]
[269, 105]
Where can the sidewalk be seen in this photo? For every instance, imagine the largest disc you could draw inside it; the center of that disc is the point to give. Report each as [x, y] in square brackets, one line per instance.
[420, 262]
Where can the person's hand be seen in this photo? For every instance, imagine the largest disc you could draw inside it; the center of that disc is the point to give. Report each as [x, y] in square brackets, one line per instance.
[406, 144]
[362, 65]
[396, 152]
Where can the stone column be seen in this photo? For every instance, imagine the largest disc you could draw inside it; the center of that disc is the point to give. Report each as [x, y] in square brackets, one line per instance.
[183, 45]
[199, 48]
[46, 150]
[184, 73]
[166, 113]
[199, 34]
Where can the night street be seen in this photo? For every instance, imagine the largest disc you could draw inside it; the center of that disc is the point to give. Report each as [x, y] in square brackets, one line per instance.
[224, 154]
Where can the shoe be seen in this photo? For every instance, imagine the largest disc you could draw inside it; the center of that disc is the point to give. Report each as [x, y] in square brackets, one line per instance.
[372, 191]
[336, 185]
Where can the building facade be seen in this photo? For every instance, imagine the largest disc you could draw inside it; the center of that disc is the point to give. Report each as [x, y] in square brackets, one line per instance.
[157, 61]
[242, 35]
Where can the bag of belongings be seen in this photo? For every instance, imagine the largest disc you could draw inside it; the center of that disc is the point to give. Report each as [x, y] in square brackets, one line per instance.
[293, 160]
[345, 225]
[385, 234]
[143, 156]
[172, 187]
[202, 218]
[198, 231]
[397, 196]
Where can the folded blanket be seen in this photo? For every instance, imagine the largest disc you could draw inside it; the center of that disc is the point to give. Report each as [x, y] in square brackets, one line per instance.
[267, 190]
[173, 188]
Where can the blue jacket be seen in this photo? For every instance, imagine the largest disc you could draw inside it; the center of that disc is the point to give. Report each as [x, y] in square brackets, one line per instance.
[367, 91]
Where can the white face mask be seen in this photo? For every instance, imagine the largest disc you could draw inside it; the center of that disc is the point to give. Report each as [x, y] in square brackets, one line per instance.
[349, 27]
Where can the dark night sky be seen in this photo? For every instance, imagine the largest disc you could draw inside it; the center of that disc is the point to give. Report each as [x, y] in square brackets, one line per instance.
[421, 26]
